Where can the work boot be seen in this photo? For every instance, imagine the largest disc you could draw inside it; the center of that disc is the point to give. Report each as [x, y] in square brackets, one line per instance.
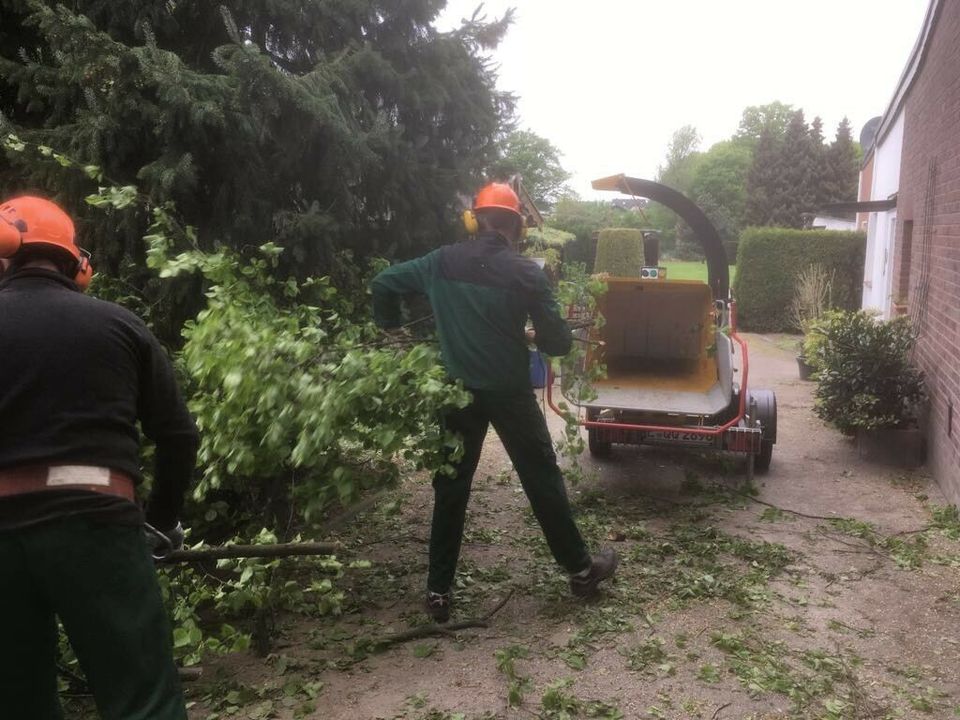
[437, 606]
[602, 566]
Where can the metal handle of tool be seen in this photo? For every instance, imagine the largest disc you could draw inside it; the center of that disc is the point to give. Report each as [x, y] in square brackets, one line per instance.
[161, 546]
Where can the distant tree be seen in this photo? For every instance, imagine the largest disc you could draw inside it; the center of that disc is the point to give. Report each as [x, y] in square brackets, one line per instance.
[820, 165]
[719, 186]
[678, 172]
[665, 222]
[795, 189]
[583, 218]
[763, 179]
[782, 182]
[773, 117]
[842, 166]
[679, 168]
[537, 160]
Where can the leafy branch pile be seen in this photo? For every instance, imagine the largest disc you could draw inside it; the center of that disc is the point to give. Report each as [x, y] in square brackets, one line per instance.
[298, 400]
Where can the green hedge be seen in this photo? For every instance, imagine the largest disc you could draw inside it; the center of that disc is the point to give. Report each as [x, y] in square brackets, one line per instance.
[619, 252]
[768, 260]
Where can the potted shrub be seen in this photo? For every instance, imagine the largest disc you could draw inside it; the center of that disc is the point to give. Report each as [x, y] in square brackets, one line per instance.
[813, 296]
[866, 384]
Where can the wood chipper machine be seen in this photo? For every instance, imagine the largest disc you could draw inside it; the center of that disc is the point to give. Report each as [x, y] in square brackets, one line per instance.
[676, 370]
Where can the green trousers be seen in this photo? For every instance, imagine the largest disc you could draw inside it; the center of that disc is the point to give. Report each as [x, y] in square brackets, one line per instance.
[523, 432]
[100, 581]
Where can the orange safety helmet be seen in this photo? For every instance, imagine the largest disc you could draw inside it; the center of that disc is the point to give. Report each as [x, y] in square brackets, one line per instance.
[34, 221]
[497, 195]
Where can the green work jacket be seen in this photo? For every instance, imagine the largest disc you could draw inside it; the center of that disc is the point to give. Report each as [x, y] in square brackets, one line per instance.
[482, 293]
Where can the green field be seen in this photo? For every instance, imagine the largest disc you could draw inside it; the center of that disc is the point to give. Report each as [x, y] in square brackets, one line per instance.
[695, 270]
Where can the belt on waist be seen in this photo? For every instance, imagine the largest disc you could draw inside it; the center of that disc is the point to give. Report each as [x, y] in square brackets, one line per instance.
[40, 478]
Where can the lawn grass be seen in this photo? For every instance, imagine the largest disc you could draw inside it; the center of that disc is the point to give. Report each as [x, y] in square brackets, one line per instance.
[692, 270]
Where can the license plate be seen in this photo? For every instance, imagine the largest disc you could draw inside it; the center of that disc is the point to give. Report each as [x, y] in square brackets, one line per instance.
[669, 437]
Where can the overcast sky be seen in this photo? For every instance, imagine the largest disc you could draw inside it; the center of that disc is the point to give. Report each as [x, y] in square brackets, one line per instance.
[608, 81]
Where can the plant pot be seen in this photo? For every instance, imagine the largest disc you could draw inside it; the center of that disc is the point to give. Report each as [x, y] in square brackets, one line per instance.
[806, 370]
[903, 448]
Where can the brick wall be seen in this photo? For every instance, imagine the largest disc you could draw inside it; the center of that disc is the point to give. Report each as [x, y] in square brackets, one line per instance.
[928, 270]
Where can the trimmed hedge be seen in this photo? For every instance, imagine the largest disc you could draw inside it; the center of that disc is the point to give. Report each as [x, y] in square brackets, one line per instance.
[550, 237]
[768, 260]
[619, 252]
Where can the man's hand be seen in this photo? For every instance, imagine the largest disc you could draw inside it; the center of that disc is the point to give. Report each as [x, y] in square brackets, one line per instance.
[164, 542]
[176, 536]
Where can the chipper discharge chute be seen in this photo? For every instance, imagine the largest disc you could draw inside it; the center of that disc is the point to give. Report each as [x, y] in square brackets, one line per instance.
[676, 370]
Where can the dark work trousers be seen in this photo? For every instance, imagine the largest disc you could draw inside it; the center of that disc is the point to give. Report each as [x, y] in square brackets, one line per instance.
[523, 432]
[98, 578]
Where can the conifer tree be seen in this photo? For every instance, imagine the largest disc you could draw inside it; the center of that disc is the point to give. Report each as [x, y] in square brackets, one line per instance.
[325, 127]
[795, 188]
[820, 166]
[842, 166]
[763, 179]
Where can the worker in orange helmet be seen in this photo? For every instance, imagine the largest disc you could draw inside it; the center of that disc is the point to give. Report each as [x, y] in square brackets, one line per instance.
[76, 376]
[482, 293]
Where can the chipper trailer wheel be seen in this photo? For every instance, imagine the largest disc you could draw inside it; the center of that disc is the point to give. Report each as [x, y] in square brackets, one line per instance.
[597, 447]
[766, 412]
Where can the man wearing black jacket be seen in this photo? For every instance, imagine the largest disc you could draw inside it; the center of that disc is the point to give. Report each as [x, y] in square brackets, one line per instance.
[77, 375]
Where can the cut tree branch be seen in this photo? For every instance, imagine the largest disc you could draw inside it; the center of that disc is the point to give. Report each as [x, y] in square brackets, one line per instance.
[253, 551]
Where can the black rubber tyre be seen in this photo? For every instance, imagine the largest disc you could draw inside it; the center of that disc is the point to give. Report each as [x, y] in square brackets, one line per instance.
[597, 447]
[766, 401]
[761, 463]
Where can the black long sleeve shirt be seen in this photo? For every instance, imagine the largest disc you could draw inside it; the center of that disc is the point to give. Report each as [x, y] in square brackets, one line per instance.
[76, 376]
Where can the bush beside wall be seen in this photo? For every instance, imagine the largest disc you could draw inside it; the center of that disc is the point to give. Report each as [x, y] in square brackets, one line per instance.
[768, 260]
[620, 252]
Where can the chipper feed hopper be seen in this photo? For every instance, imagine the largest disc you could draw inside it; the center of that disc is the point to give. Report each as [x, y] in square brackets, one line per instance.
[676, 370]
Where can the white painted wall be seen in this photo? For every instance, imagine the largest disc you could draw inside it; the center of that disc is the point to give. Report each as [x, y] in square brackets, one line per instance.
[823, 222]
[881, 228]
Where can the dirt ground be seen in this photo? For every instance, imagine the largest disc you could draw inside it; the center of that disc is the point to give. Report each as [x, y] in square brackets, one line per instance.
[831, 593]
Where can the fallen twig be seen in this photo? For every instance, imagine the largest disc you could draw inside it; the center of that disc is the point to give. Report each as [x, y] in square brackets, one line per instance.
[435, 629]
[716, 713]
[791, 512]
[253, 551]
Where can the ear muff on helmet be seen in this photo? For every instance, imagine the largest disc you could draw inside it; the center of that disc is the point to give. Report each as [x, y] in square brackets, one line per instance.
[470, 222]
[84, 271]
[11, 238]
